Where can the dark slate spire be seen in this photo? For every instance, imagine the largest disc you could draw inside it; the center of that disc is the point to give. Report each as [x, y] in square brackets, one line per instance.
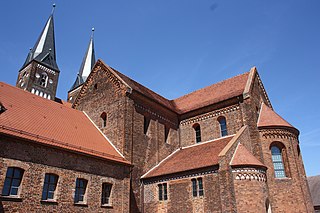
[44, 50]
[86, 65]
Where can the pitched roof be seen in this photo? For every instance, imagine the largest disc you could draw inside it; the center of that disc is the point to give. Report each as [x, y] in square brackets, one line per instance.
[268, 118]
[242, 157]
[215, 93]
[314, 185]
[201, 98]
[145, 91]
[44, 121]
[188, 158]
[44, 50]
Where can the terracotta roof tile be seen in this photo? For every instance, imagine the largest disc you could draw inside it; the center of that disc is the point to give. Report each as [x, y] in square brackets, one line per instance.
[314, 185]
[268, 117]
[215, 93]
[188, 158]
[242, 157]
[145, 91]
[32, 117]
[200, 98]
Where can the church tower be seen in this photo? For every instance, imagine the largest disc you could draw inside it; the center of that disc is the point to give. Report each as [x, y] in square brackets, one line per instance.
[40, 73]
[86, 66]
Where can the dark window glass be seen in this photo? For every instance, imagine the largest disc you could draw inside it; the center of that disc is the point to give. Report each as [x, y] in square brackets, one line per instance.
[278, 166]
[106, 193]
[163, 191]
[160, 191]
[103, 117]
[166, 133]
[146, 122]
[223, 126]
[81, 185]
[194, 188]
[200, 186]
[12, 181]
[197, 187]
[49, 186]
[43, 79]
[198, 133]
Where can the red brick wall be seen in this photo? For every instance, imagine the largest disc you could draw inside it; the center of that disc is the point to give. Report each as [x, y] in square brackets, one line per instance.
[37, 160]
[180, 198]
[291, 192]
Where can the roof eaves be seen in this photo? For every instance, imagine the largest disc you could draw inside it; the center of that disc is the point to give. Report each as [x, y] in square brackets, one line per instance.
[156, 166]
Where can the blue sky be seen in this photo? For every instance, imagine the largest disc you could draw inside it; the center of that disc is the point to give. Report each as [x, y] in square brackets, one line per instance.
[177, 46]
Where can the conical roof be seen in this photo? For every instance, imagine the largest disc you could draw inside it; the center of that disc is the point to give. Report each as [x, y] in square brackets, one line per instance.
[268, 118]
[242, 157]
[44, 50]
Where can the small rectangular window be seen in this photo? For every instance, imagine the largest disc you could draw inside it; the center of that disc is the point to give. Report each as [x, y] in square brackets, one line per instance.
[194, 188]
[12, 181]
[106, 193]
[163, 191]
[197, 187]
[81, 186]
[146, 122]
[49, 186]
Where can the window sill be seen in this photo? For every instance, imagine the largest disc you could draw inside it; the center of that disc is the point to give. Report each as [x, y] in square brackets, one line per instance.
[198, 198]
[81, 204]
[106, 206]
[283, 179]
[10, 198]
[49, 202]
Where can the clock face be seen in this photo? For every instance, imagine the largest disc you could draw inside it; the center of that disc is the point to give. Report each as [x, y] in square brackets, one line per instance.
[50, 81]
[37, 75]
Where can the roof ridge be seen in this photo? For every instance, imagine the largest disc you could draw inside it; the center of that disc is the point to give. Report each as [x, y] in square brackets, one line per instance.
[206, 142]
[217, 83]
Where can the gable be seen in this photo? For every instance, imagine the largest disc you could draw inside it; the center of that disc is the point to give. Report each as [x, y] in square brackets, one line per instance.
[49, 123]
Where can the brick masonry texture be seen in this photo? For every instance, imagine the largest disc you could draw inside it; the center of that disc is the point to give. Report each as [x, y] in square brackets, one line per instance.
[237, 188]
[37, 160]
[223, 193]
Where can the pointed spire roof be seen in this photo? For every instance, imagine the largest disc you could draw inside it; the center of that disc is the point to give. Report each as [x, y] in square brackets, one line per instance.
[268, 118]
[44, 50]
[242, 157]
[87, 64]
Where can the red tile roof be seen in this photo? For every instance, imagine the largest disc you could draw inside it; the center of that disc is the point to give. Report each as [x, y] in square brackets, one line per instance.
[215, 93]
[145, 91]
[47, 122]
[188, 158]
[242, 157]
[268, 118]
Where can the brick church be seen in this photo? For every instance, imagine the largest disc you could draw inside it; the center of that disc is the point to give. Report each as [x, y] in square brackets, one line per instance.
[117, 146]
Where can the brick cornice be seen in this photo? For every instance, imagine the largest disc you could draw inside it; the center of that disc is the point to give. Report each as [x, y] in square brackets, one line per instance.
[210, 114]
[279, 133]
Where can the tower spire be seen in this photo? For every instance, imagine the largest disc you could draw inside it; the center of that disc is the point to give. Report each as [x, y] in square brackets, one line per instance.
[44, 50]
[84, 71]
[87, 64]
[40, 73]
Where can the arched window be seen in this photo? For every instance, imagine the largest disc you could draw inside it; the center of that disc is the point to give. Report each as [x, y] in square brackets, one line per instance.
[197, 132]
[223, 126]
[277, 160]
[43, 79]
[103, 117]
